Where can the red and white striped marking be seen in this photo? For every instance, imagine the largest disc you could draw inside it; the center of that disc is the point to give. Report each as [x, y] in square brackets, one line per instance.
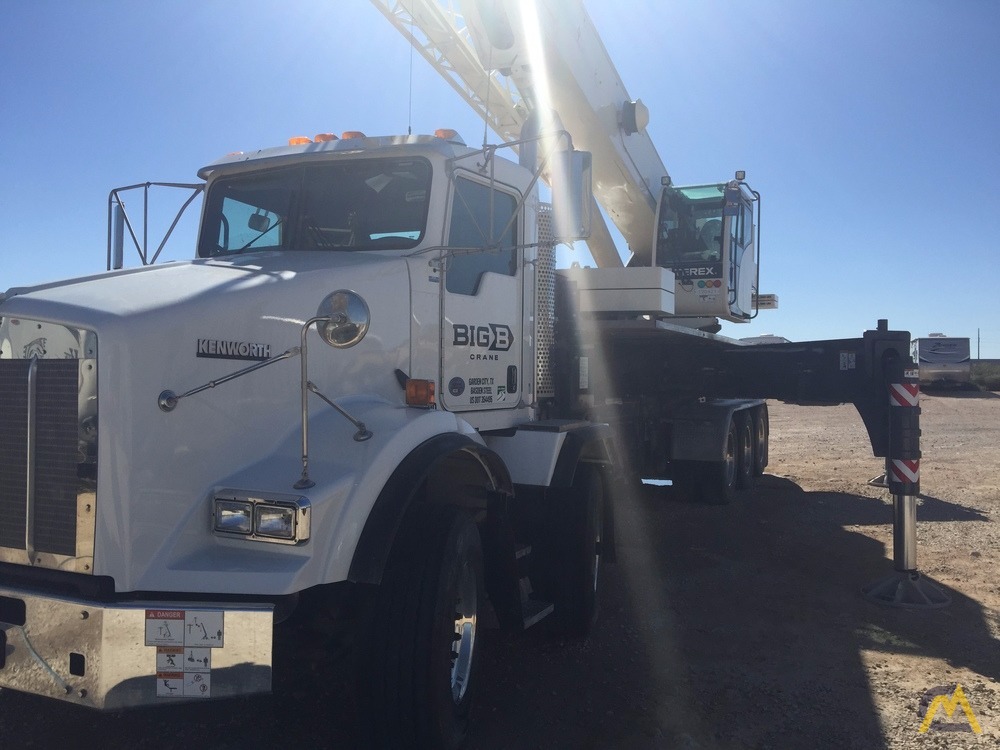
[904, 470]
[904, 394]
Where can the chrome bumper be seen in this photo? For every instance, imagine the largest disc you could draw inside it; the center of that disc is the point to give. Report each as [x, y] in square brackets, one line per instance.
[134, 654]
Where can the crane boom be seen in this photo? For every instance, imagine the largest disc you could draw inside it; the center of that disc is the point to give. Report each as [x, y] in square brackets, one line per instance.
[507, 58]
[436, 30]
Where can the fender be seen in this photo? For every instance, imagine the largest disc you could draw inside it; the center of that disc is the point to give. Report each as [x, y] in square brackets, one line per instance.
[594, 439]
[351, 478]
[404, 486]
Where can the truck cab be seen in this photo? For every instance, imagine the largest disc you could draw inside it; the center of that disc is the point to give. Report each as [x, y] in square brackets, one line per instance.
[343, 375]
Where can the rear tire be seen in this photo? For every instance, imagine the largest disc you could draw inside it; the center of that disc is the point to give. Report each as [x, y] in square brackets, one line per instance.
[761, 433]
[720, 478]
[418, 677]
[745, 450]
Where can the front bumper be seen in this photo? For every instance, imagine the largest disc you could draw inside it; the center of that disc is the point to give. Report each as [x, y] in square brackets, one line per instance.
[132, 654]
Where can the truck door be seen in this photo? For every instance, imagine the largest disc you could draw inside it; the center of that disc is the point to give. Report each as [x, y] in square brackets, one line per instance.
[481, 337]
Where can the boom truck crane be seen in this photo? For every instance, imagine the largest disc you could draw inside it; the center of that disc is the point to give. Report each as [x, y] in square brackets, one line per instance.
[370, 390]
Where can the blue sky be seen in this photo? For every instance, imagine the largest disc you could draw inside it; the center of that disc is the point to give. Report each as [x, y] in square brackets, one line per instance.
[871, 128]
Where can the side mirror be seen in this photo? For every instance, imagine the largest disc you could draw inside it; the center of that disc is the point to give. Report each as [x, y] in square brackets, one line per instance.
[572, 195]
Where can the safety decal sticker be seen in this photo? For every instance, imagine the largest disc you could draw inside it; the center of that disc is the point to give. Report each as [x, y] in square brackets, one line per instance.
[904, 394]
[183, 685]
[173, 658]
[848, 361]
[178, 627]
[905, 471]
[164, 627]
[184, 640]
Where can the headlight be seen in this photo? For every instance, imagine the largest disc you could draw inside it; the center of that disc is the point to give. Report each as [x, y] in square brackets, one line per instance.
[233, 516]
[274, 520]
[348, 319]
[282, 519]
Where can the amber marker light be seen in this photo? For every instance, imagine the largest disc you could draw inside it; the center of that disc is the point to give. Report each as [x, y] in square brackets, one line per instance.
[324, 137]
[419, 392]
[348, 134]
[299, 140]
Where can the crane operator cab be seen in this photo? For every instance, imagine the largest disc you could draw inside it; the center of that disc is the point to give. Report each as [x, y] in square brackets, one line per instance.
[707, 235]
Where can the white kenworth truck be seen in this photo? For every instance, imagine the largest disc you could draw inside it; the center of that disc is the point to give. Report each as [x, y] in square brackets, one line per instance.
[371, 386]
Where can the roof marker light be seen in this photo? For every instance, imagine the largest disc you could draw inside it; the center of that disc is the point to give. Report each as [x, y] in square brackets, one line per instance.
[446, 134]
[324, 137]
[299, 140]
[348, 134]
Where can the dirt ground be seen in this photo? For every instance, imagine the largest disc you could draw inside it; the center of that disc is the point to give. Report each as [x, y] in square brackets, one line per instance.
[721, 627]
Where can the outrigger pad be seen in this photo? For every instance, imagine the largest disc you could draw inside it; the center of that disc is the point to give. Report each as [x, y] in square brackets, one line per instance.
[908, 590]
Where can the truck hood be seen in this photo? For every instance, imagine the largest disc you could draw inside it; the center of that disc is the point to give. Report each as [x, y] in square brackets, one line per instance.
[181, 326]
[90, 300]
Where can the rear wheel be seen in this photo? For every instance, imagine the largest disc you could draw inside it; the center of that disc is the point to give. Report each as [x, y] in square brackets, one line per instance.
[745, 450]
[419, 674]
[720, 477]
[761, 430]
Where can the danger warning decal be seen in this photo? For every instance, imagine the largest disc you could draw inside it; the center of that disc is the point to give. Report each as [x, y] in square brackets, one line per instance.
[184, 640]
[904, 394]
[905, 471]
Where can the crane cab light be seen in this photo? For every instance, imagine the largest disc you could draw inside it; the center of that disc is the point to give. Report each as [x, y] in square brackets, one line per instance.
[741, 175]
[299, 140]
[324, 138]
[450, 135]
[420, 392]
[348, 134]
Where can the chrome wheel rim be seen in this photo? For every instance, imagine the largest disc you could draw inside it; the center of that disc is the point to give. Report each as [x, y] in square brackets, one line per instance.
[746, 452]
[464, 637]
[730, 461]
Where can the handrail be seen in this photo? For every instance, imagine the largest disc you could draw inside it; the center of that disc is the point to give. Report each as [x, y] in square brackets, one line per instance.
[118, 221]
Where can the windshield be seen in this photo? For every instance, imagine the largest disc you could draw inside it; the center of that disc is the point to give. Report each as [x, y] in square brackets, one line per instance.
[359, 204]
[690, 225]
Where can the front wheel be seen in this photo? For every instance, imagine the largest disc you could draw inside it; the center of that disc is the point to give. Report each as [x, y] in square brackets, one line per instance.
[419, 673]
[580, 554]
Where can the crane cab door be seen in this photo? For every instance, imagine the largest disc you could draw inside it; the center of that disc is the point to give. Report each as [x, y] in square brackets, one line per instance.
[482, 308]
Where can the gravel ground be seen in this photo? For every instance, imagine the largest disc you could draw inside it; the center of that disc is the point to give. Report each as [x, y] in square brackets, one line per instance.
[721, 627]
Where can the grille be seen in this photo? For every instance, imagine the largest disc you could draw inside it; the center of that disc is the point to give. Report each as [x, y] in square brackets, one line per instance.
[545, 313]
[56, 431]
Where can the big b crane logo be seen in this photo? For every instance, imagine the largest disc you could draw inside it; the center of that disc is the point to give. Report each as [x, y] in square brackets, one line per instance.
[496, 337]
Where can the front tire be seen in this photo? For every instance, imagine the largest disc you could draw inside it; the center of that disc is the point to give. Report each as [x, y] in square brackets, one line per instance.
[580, 554]
[419, 674]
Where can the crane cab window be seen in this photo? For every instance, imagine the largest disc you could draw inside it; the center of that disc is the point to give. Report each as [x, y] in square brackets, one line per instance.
[690, 225]
[479, 213]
